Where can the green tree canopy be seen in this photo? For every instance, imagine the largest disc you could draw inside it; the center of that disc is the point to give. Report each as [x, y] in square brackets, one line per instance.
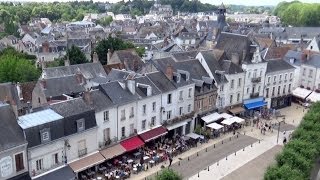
[296, 13]
[76, 56]
[298, 156]
[15, 67]
[111, 44]
[168, 174]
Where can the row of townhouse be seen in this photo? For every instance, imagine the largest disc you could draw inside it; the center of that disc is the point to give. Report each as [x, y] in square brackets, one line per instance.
[72, 128]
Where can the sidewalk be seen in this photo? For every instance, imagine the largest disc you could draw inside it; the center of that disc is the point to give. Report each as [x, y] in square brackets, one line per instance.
[233, 162]
[293, 116]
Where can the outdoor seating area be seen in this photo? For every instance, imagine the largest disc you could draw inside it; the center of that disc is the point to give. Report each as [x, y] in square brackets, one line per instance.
[134, 155]
[222, 123]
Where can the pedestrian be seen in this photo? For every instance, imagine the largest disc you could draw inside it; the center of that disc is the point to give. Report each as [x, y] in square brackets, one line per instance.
[170, 160]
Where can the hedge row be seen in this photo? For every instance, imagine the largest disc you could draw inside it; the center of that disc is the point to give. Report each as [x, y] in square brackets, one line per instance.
[296, 160]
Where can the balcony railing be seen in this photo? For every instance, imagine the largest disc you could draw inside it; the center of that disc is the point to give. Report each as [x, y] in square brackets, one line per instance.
[179, 118]
[82, 152]
[256, 80]
[254, 95]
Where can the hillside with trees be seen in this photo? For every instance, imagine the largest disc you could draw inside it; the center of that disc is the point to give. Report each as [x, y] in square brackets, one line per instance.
[298, 14]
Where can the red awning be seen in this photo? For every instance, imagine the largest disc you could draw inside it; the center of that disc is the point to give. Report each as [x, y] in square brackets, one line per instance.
[153, 134]
[132, 143]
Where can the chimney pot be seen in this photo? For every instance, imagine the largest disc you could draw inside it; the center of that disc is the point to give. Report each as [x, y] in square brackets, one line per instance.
[169, 72]
[87, 97]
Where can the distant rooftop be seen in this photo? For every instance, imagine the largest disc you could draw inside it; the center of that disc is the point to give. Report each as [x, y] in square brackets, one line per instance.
[38, 118]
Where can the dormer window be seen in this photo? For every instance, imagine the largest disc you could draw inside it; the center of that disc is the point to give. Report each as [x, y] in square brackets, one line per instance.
[80, 125]
[45, 135]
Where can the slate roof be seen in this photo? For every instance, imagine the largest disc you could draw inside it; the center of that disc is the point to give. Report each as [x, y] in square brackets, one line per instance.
[71, 107]
[146, 81]
[214, 65]
[230, 68]
[117, 94]
[161, 81]
[100, 101]
[185, 56]
[89, 70]
[296, 55]
[62, 85]
[192, 66]
[314, 60]
[129, 58]
[234, 43]
[8, 92]
[278, 65]
[11, 133]
[305, 32]
[116, 74]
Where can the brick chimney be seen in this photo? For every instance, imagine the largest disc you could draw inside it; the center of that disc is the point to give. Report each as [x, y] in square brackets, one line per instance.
[45, 47]
[79, 76]
[87, 97]
[169, 72]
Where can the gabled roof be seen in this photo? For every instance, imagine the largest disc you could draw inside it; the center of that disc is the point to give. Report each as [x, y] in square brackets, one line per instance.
[278, 65]
[161, 81]
[89, 71]
[71, 107]
[185, 56]
[11, 133]
[234, 43]
[62, 85]
[230, 68]
[117, 93]
[276, 52]
[8, 92]
[100, 101]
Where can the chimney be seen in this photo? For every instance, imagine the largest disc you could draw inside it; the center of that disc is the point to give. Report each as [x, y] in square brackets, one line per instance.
[304, 57]
[66, 62]
[79, 77]
[149, 91]
[95, 57]
[235, 58]
[45, 47]
[244, 54]
[43, 83]
[87, 97]
[109, 56]
[18, 86]
[169, 72]
[131, 84]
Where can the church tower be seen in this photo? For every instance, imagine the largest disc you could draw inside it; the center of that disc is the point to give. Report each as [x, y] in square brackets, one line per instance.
[222, 16]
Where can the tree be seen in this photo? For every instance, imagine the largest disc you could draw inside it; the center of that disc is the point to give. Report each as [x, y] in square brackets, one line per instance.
[76, 56]
[168, 174]
[111, 44]
[15, 68]
[105, 21]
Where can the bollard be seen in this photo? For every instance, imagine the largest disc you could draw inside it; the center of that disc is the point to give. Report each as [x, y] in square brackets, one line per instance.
[235, 153]
[198, 174]
[188, 159]
[237, 135]
[214, 145]
[251, 145]
[197, 154]
[218, 163]
[259, 141]
[226, 157]
[206, 149]
[208, 168]
[244, 133]
[243, 149]
[222, 141]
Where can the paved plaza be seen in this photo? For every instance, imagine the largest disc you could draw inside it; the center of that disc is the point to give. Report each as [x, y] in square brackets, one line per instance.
[239, 163]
